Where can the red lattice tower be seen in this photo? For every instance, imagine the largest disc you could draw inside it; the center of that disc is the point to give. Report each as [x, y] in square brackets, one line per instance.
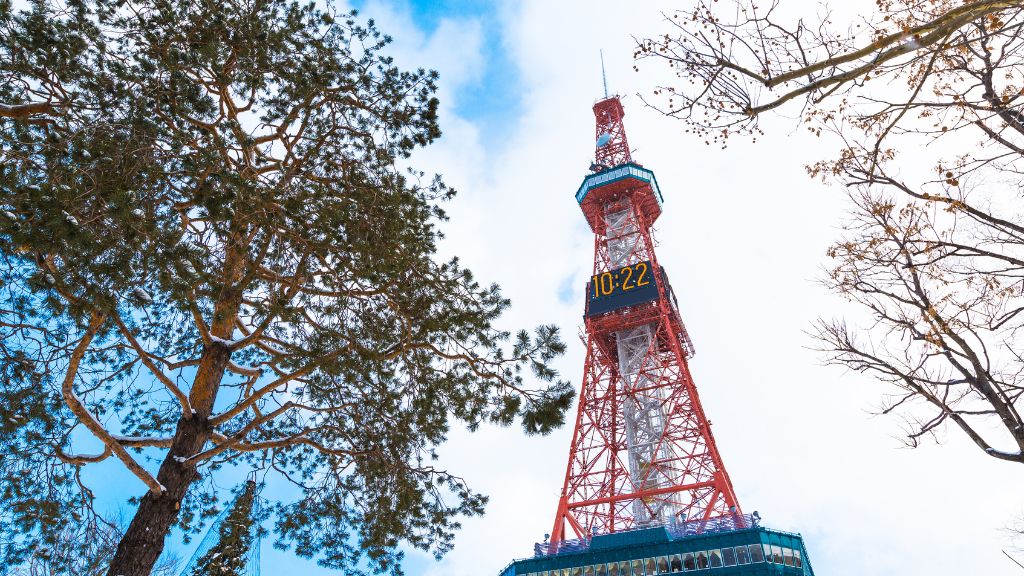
[642, 451]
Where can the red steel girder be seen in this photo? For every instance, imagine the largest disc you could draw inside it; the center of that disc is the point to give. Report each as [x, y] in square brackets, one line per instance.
[600, 491]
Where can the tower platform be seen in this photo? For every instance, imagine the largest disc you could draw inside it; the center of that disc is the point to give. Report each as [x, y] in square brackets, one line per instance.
[726, 546]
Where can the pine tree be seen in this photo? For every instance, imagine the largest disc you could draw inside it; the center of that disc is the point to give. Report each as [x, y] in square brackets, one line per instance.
[212, 251]
[228, 556]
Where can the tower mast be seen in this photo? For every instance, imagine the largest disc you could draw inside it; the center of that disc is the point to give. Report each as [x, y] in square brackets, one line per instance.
[604, 77]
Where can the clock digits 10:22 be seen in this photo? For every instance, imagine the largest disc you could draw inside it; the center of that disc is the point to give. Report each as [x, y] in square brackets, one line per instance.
[624, 279]
[622, 287]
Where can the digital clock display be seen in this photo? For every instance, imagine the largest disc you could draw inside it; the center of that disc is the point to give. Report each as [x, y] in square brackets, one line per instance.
[622, 287]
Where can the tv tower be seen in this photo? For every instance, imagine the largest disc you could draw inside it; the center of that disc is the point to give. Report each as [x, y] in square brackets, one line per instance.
[642, 450]
[645, 492]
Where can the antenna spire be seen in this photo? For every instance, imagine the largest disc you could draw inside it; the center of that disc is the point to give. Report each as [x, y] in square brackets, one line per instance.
[604, 78]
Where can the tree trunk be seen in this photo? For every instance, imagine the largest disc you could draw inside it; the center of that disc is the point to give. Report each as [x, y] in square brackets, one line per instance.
[143, 542]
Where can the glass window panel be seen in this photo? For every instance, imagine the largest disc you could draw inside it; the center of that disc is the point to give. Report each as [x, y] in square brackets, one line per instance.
[741, 555]
[777, 553]
[588, 571]
[651, 566]
[787, 557]
[676, 563]
[600, 570]
[624, 568]
[796, 559]
[715, 558]
[663, 565]
[613, 569]
[728, 556]
[756, 554]
[689, 563]
[638, 568]
[702, 560]
[565, 572]
[578, 571]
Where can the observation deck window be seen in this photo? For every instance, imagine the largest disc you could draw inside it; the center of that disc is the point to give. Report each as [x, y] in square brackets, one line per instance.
[715, 558]
[702, 560]
[663, 565]
[676, 563]
[756, 554]
[638, 568]
[787, 557]
[689, 562]
[728, 557]
[601, 570]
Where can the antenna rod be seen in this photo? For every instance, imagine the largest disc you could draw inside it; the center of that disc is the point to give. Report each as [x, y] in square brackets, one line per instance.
[604, 78]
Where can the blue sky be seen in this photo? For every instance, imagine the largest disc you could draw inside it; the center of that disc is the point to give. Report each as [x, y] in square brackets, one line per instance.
[489, 98]
[743, 236]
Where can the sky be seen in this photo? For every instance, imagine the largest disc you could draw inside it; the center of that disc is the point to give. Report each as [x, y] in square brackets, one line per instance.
[743, 237]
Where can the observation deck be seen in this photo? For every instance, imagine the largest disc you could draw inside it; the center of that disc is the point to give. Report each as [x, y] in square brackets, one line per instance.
[734, 545]
[613, 183]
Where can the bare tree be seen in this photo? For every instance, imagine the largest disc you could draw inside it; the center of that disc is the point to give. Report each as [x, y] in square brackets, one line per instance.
[924, 99]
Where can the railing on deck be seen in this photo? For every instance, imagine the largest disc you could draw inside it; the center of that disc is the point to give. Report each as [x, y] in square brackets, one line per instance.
[676, 531]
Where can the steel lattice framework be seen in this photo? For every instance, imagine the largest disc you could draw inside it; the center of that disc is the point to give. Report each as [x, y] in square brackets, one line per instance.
[642, 451]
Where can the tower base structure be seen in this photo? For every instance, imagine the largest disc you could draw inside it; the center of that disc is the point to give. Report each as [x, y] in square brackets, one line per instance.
[727, 546]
